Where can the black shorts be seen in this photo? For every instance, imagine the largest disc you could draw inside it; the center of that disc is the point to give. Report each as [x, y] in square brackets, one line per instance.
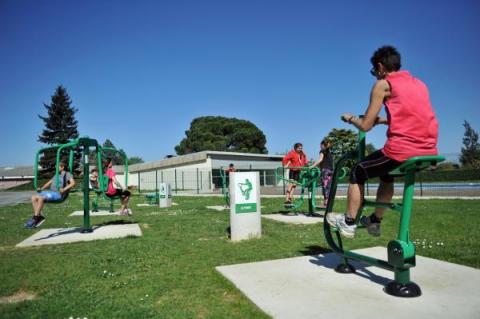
[119, 193]
[376, 164]
[295, 175]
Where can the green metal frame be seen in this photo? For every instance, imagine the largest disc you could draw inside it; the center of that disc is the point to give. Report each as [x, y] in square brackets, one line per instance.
[84, 144]
[401, 251]
[309, 180]
[103, 179]
[225, 191]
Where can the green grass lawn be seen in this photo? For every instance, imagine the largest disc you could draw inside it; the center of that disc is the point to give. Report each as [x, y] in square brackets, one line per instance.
[169, 272]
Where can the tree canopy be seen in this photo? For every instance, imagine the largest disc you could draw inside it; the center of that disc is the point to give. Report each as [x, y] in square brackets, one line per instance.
[470, 154]
[60, 127]
[217, 133]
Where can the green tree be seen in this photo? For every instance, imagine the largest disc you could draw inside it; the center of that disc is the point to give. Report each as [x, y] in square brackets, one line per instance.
[343, 141]
[470, 154]
[370, 148]
[60, 127]
[135, 160]
[217, 133]
[116, 154]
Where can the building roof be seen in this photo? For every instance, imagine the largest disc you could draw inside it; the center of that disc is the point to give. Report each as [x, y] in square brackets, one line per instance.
[16, 172]
[200, 157]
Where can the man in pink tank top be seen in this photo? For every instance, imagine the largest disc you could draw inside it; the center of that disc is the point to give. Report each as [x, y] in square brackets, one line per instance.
[412, 131]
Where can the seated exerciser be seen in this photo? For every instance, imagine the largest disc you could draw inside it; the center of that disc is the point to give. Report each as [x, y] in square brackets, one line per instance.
[103, 179]
[401, 251]
[82, 144]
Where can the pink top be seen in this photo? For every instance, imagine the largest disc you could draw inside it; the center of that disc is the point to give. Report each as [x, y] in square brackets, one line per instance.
[412, 125]
[110, 189]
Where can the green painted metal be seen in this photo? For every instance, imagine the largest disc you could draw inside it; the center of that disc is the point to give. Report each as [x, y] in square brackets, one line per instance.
[308, 182]
[225, 191]
[84, 144]
[401, 251]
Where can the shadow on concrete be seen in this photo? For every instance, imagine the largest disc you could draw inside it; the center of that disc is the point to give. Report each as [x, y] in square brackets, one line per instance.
[331, 261]
[80, 229]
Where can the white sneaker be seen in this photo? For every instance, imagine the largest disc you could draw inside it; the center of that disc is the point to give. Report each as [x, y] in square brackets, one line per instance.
[345, 229]
[332, 218]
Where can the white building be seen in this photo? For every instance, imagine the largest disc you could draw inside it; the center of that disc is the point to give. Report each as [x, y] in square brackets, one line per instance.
[200, 172]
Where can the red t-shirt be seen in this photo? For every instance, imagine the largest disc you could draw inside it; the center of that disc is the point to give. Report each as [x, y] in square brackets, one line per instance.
[295, 159]
[110, 189]
[412, 125]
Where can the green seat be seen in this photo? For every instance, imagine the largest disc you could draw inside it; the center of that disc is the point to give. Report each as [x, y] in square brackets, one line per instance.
[417, 164]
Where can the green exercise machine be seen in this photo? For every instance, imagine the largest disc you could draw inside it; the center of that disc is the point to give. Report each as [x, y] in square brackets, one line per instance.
[82, 144]
[401, 251]
[308, 182]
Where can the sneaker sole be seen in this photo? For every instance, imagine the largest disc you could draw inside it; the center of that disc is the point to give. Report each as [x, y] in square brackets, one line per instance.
[40, 223]
[346, 235]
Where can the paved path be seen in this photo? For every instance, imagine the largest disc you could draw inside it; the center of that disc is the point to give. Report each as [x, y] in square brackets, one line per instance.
[13, 198]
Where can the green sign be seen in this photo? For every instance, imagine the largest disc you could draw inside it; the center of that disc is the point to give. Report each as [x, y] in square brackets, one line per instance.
[246, 208]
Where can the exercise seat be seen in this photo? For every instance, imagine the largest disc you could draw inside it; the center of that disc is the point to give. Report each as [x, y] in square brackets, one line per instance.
[417, 164]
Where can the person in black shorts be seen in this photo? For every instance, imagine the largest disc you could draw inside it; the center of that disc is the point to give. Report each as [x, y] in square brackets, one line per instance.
[294, 160]
[325, 161]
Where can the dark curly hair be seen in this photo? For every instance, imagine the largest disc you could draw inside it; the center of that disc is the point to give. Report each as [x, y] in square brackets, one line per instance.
[388, 56]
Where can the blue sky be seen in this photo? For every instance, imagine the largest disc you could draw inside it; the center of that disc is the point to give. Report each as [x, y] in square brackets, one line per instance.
[140, 71]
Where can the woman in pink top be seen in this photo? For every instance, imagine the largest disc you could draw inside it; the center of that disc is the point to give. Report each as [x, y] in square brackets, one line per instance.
[112, 191]
[412, 131]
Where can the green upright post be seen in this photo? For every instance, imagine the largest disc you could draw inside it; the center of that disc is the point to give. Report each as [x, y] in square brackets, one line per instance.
[86, 192]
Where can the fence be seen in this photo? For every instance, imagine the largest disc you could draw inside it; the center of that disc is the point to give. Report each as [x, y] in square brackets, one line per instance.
[457, 182]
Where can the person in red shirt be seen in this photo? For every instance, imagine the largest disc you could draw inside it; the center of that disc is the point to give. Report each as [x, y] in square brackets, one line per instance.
[412, 131]
[230, 169]
[113, 191]
[294, 160]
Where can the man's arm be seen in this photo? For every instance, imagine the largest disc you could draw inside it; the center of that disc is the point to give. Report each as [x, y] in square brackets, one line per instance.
[70, 185]
[380, 91]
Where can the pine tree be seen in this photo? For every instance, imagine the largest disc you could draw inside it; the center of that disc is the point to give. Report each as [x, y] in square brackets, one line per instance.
[116, 156]
[470, 155]
[60, 127]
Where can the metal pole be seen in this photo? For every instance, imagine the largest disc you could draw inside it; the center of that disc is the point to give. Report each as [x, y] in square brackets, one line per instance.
[176, 189]
[210, 182]
[86, 192]
[283, 179]
[201, 180]
[198, 190]
[421, 183]
[156, 181]
[139, 183]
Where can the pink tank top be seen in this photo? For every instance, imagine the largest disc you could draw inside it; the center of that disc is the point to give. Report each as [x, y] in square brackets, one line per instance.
[412, 125]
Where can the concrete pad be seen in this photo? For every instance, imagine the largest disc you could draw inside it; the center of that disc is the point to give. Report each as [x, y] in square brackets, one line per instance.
[219, 208]
[70, 235]
[150, 205]
[295, 219]
[99, 213]
[308, 287]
